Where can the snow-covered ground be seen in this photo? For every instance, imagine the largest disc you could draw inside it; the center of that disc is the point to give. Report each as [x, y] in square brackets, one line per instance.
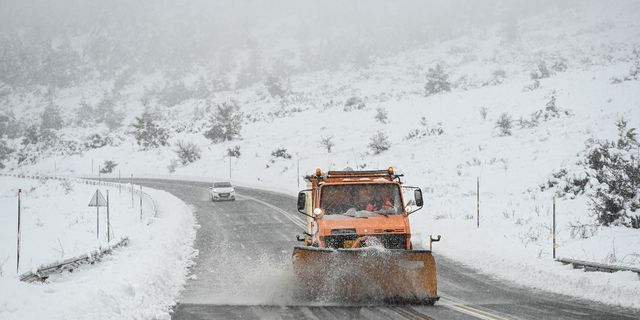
[141, 280]
[588, 52]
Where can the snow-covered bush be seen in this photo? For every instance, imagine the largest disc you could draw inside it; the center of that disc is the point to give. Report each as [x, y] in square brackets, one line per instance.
[437, 81]
[5, 152]
[96, 141]
[327, 143]
[354, 103]
[610, 178]
[381, 115]
[541, 71]
[551, 111]
[108, 166]
[379, 143]
[187, 152]
[225, 123]
[504, 124]
[234, 151]
[280, 152]
[425, 131]
[147, 133]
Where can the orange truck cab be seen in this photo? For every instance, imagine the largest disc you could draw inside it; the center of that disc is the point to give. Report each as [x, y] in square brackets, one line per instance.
[352, 209]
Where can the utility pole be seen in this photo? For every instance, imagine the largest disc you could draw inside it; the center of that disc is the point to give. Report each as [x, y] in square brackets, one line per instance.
[91, 166]
[54, 170]
[229, 167]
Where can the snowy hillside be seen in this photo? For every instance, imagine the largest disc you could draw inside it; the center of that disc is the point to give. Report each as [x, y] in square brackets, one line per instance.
[555, 79]
[141, 279]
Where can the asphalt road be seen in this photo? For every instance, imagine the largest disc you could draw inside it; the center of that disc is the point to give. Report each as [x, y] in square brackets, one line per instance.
[243, 271]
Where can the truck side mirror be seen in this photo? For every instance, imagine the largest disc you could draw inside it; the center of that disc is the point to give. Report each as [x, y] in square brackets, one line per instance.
[417, 195]
[302, 199]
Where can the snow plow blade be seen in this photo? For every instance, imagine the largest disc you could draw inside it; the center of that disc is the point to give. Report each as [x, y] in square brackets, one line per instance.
[367, 275]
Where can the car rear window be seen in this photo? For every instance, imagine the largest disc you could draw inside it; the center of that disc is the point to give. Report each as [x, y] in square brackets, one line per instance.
[222, 185]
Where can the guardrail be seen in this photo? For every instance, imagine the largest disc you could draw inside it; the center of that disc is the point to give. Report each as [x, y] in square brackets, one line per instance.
[43, 272]
[594, 266]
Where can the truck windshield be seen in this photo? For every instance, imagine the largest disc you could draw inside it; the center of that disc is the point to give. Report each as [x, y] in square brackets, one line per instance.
[361, 199]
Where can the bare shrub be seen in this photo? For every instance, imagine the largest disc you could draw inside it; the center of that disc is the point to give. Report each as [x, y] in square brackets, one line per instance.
[327, 143]
[187, 152]
[504, 124]
[379, 143]
[484, 112]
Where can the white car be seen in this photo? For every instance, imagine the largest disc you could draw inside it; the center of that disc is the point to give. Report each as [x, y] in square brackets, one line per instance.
[222, 191]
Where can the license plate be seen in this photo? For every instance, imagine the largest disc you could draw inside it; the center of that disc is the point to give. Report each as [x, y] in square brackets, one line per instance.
[224, 194]
[347, 243]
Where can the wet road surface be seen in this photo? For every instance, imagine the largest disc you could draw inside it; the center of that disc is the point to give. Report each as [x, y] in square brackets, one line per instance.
[243, 271]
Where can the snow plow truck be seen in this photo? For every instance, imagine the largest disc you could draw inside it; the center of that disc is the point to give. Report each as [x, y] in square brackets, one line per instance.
[357, 242]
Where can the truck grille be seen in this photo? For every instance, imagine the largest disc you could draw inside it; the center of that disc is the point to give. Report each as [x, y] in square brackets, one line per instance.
[389, 241]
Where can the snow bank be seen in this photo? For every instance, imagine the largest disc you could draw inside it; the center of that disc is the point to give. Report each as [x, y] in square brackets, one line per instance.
[141, 280]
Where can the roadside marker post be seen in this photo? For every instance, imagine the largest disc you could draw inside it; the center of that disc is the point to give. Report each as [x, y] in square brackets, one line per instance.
[554, 227]
[131, 184]
[18, 246]
[140, 202]
[98, 201]
[119, 183]
[108, 220]
[478, 202]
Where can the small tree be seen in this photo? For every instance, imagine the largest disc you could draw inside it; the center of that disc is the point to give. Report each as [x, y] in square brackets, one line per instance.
[437, 81]
[381, 115]
[108, 166]
[379, 142]
[327, 143]
[226, 123]
[504, 124]
[187, 152]
[147, 133]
